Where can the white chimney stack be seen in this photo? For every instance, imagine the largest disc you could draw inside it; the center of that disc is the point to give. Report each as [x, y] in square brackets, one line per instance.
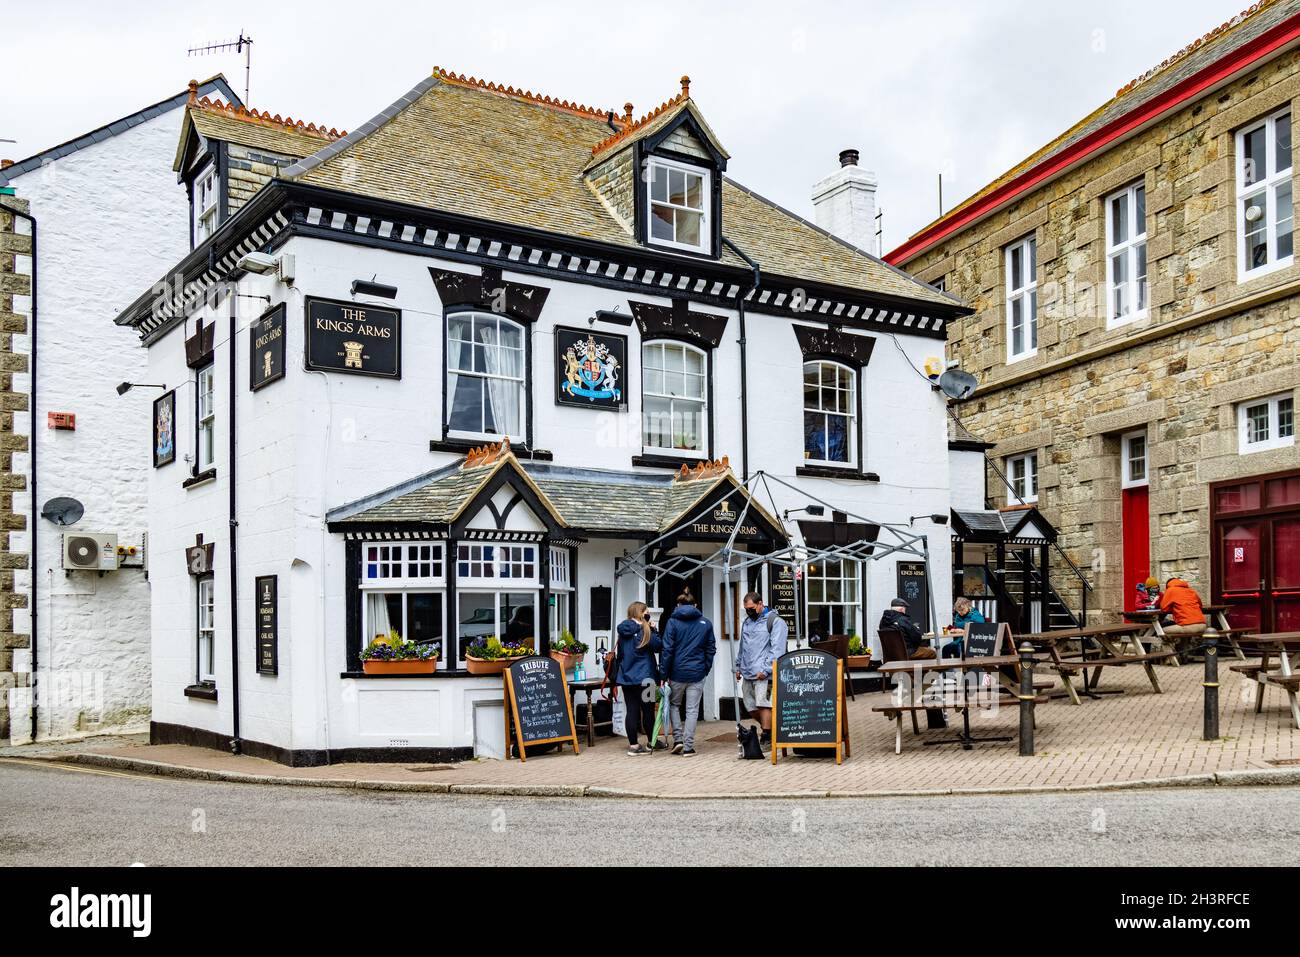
[844, 203]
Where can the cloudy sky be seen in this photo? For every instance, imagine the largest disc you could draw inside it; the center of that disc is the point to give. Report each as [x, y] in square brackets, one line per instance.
[965, 89]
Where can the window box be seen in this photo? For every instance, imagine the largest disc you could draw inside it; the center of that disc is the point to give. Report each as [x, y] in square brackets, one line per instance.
[401, 666]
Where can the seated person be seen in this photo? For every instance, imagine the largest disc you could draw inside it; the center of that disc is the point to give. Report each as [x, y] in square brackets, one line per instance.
[1148, 595]
[896, 617]
[963, 614]
[1183, 606]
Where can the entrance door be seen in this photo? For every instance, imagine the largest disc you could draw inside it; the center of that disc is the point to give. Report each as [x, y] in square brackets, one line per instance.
[1284, 587]
[1137, 542]
[1241, 561]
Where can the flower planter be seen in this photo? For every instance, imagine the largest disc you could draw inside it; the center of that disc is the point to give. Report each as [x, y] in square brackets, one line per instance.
[567, 661]
[484, 666]
[858, 661]
[405, 666]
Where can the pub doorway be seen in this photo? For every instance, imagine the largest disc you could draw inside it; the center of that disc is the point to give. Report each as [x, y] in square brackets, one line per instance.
[1256, 551]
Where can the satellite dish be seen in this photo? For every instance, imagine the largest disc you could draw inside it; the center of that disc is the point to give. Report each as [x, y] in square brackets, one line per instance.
[958, 383]
[63, 511]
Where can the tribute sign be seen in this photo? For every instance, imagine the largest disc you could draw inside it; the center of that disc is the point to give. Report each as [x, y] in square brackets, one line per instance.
[808, 702]
[266, 349]
[268, 625]
[538, 707]
[354, 338]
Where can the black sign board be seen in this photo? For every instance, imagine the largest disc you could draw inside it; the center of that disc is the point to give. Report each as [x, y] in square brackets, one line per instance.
[266, 349]
[590, 369]
[717, 521]
[914, 588]
[784, 597]
[268, 625]
[164, 429]
[982, 640]
[808, 702]
[354, 338]
[538, 706]
[602, 608]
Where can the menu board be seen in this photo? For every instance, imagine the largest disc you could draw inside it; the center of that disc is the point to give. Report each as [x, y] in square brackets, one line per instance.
[268, 625]
[982, 639]
[914, 588]
[808, 702]
[538, 706]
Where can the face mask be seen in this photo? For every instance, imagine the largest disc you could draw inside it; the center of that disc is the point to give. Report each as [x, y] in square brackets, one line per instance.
[752, 613]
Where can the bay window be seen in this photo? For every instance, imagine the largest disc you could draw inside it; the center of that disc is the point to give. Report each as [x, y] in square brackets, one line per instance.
[829, 414]
[1022, 299]
[402, 585]
[561, 591]
[485, 377]
[497, 593]
[1126, 255]
[1264, 206]
[674, 398]
[678, 203]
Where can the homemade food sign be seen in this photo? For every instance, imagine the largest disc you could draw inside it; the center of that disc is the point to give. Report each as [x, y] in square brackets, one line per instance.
[354, 338]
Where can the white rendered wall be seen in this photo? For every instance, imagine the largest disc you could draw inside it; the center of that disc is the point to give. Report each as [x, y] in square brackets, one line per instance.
[112, 219]
[966, 471]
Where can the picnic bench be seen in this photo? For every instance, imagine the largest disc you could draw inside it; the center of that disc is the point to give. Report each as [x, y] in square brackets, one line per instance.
[1283, 646]
[1119, 645]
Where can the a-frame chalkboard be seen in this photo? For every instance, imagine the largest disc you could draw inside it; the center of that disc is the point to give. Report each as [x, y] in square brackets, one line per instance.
[808, 703]
[538, 706]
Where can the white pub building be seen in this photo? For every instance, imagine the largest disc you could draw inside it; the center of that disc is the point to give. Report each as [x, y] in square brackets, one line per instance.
[444, 375]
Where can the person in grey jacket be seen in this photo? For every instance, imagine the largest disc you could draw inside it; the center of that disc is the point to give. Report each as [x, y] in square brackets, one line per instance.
[762, 640]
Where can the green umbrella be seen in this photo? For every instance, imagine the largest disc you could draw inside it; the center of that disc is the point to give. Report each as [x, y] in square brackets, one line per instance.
[660, 715]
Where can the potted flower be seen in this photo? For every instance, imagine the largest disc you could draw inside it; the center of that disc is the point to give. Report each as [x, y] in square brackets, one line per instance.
[490, 655]
[390, 655]
[567, 650]
[859, 653]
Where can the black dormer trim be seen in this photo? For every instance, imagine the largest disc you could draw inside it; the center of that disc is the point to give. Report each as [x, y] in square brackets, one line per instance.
[678, 322]
[652, 146]
[200, 346]
[489, 292]
[654, 143]
[832, 343]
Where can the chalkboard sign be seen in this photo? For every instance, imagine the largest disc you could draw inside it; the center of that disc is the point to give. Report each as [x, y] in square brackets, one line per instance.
[808, 702]
[914, 588]
[538, 707]
[983, 639]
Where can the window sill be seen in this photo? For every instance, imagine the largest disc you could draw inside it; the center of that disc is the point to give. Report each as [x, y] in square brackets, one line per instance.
[203, 692]
[440, 673]
[461, 446]
[207, 475]
[830, 471]
[655, 461]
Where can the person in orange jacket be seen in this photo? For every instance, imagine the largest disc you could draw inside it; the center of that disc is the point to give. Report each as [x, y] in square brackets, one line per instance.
[1184, 606]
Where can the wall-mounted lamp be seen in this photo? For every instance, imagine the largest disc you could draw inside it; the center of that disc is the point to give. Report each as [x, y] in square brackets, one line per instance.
[807, 509]
[284, 266]
[936, 518]
[124, 387]
[610, 316]
[366, 287]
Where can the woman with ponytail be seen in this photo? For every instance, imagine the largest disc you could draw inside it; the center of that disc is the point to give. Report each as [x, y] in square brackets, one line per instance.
[637, 673]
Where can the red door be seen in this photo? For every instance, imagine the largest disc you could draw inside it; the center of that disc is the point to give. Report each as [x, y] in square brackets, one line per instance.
[1284, 586]
[1137, 542]
[1241, 558]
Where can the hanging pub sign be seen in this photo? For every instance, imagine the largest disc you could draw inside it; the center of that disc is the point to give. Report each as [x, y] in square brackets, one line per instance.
[353, 338]
[590, 369]
[164, 429]
[266, 349]
[198, 557]
[268, 625]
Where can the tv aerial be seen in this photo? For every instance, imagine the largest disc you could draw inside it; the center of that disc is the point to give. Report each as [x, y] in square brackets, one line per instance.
[63, 511]
[958, 383]
[243, 45]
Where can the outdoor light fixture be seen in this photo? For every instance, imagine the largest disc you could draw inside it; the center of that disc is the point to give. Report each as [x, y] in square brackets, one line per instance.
[937, 519]
[264, 263]
[124, 387]
[606, 315]
[810, 509]
[365, 287]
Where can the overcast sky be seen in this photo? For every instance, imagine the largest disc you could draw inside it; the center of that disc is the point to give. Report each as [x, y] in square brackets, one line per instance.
[920, 88]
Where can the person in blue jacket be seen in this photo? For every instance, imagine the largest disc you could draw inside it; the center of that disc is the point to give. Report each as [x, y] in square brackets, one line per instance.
[963, 614]
[637, 673]
[687, 659]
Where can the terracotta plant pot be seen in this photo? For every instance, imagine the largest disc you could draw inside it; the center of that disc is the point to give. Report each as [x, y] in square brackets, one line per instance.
[407, 666]
[857, 661]
[482, 666]
[567, 661]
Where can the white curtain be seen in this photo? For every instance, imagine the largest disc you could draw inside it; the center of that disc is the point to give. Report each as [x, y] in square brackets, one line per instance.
[455, 353]
[503, 393]
[377, 616]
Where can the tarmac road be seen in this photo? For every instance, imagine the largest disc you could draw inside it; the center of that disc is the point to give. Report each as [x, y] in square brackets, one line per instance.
[77, 816]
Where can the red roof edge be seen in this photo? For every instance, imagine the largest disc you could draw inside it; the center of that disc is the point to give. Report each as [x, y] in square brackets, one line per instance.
[1215, 73]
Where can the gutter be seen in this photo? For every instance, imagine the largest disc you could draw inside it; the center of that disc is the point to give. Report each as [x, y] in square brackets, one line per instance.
[235, 743]
[744, 365]
[31, 452]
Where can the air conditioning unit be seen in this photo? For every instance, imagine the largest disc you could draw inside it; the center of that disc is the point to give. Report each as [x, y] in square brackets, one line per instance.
[90, 552]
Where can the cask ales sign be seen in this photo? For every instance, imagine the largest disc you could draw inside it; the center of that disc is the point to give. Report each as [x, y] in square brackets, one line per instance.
[268, 625]
[266, 349]
[354, 338]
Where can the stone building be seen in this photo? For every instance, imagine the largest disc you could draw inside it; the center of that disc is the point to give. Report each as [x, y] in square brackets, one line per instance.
[1135, 330]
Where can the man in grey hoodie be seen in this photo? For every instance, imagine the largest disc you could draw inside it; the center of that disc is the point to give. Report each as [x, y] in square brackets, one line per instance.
[762, 640]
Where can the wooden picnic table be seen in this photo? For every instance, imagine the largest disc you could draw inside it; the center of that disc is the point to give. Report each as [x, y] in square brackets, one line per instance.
[1121, 645]
[1285, 646]
[917, 668]
[1217, 626]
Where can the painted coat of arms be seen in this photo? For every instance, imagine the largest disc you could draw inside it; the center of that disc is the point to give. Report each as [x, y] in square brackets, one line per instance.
[591, 368]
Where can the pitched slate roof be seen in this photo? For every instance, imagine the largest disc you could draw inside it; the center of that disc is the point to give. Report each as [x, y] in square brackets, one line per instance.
[1229, 36]
[233, 123]
[213, 85]
[462, 146]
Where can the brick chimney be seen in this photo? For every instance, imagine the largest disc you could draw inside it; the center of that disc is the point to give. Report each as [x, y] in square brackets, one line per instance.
[844, 203]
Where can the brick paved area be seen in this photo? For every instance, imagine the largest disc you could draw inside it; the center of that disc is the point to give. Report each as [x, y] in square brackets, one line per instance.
[1131, 737]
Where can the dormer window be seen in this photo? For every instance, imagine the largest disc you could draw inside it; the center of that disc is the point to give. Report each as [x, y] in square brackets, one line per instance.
[679, 205]
[206, 190]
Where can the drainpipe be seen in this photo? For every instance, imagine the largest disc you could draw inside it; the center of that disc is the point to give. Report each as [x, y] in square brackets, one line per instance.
[234, 526]
[31, 453]
[744, 365]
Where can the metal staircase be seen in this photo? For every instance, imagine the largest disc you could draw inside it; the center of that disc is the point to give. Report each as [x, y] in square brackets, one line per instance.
[1024, 583]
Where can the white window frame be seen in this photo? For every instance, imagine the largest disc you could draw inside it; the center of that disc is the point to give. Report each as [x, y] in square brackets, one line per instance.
[1030, 494]
[1274, 440]
[207, 194]
[561, 579]
[397, 559]
[1267, 186]
[1129, 455]
[496, 590]
[504, 558]
[1026, 295]
[205, 417]
[850, 575]
[205, 629]
[521, 379]
[852, 415]
[702, 401]
[705, 211]
[1134, 296]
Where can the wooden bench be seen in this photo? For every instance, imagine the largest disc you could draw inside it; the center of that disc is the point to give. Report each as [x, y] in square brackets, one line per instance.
[1289, 682]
